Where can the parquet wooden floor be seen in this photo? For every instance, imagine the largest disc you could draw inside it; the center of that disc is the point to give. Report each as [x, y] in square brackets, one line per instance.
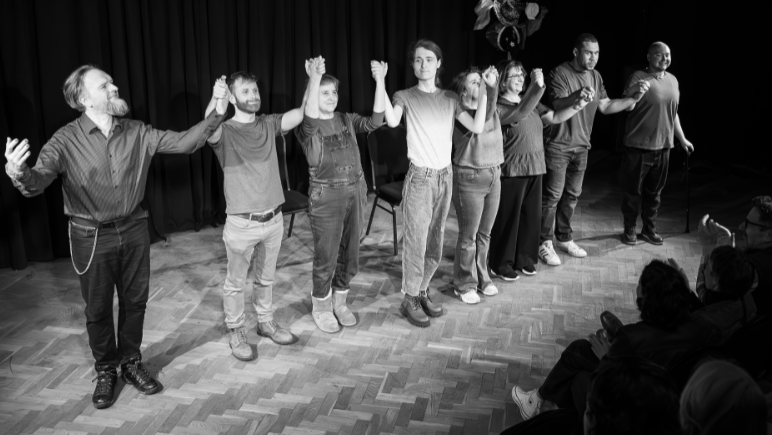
[382, 376]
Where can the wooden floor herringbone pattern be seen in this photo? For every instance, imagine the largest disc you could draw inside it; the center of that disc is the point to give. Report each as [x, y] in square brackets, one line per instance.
[382, 376]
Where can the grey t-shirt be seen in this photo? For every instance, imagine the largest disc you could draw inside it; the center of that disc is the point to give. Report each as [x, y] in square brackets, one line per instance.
[247, 155]
[565, 80]
[651, 124]
[429, 118]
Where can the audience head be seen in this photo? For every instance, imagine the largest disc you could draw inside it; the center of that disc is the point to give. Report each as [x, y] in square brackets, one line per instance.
[658, 57]
[512, 78]
[631, 396]
[244, 92]
[328, 94]
[90, 88]
[467, 83]
[586, 52]
[721, 398]
[758, 223]
[426, 58]
[728, 272]
[664, 297]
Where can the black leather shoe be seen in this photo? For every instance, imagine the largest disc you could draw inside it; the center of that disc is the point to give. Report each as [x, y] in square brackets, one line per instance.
[106, 379]
[611, 323]
[651, 236]
[413, 312]
[430, 308]
[629, 237]
[135, 373]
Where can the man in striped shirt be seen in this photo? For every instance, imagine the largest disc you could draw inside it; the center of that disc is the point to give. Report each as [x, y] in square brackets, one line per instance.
[103, 160]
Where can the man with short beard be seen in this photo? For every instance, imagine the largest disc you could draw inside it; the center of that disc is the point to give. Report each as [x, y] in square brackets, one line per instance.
[649, 132]
[567, 144]
[245, 146]
[104, 160]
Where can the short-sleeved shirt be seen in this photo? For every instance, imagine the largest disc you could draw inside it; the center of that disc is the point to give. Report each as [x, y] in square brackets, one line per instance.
[651, 124]
[247, 155]
[565, 80]
[523, 142]
[478, 151]
[429, 118]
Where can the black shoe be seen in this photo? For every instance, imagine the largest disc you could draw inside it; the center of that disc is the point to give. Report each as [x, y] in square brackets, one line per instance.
[651, 236]
[135, 373]
[413, 312]
[509, 275]
[430, 308]
[611, 324]
[529, 270]
[629, 237]
[106, 379]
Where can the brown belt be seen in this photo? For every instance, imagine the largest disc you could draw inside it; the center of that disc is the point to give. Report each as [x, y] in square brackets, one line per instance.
[260, 217]
[138, 213]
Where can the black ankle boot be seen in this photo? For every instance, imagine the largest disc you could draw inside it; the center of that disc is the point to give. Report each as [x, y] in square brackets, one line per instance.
[106, 379]
[431, 308]
[135, 373]
[411, 309]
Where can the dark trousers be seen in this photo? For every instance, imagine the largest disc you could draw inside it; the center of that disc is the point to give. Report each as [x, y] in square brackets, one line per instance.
[568, 383]
[562, 187]
[121, 262]
[642, 176]
[515, 233]
[337, 216]
[555, 422]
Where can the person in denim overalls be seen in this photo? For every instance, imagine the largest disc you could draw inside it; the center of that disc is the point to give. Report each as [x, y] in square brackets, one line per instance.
[337, 193]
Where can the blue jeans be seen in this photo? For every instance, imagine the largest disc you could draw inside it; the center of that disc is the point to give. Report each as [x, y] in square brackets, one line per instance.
[257, 243]
[336, 213]
[425, 205]
[561, 189]
[476, 199]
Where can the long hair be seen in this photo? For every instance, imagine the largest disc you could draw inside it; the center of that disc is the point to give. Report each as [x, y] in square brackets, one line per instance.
[622, 388]
[427, 44]
[666, 297]
[459, 81]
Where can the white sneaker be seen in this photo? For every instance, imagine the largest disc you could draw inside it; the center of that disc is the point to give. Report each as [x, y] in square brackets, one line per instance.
[490, 290]
[571, 248]
[528, 401]
[547, 254]
[469, 297]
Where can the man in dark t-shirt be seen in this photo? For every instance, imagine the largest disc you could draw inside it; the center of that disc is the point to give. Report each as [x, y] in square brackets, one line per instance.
[649, 132]
[566, 144]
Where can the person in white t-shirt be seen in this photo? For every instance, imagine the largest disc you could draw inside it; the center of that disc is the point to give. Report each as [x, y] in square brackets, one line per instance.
[429, 113]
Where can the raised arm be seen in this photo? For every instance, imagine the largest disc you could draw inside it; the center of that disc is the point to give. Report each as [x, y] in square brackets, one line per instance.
[294, 117]
[315, 72]
[220, 95]
[608, 106]
[530, 100]
[31, 182]
[392, 114]
[477, 124]
[491, 77]
[564, 114]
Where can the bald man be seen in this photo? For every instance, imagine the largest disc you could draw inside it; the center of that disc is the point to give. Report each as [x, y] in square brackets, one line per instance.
[649, 132]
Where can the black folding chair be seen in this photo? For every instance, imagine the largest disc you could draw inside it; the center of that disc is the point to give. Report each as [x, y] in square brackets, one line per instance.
[388, 158]
[294, 202]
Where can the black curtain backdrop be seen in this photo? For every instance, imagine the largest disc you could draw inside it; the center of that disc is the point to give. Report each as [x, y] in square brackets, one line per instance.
[165, 55]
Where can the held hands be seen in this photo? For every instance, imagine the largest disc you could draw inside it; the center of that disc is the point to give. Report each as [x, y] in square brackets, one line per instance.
[315, 67]
[16, 154]
[490, 77]
[639, 89]
[538, 77]
[711, 234]
[378, 69]
[221, 93]
[585, 96]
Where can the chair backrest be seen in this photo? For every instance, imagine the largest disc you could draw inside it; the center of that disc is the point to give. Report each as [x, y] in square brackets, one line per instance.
[388, 154]
[281, 150]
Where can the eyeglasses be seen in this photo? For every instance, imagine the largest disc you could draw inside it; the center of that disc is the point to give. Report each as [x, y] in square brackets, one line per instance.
[518, 75]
